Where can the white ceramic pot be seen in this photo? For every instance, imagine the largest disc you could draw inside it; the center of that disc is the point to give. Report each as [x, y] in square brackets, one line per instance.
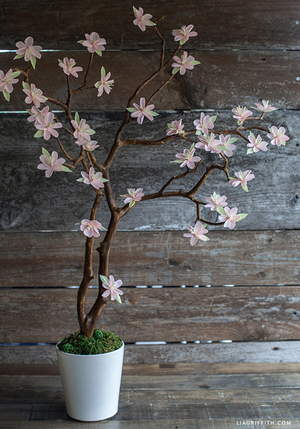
[91, 384]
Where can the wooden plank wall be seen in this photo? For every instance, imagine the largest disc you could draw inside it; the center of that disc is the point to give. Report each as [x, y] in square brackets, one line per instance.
[234, 298]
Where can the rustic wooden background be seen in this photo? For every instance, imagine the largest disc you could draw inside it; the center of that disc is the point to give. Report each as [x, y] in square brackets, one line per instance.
[234, 298]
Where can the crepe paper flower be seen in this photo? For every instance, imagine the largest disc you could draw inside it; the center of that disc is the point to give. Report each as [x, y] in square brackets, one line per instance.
[92, 178]
[46, 126]
[230, 217]
[35, 112]
[51, 163]
[104, 84]
[82, 129]
[278, 136]
[241, 113]
[112, 288]
[188, 158]
[184, 63]
[208, 142]
[28, 51]
[7, 81]
[141, 19]
[93, 43]
[242, 178]
[133, 196]
[204, 124]
[68, 66]
[89, 146]
[90, 228]
[34, 95]
[264, 107]
[139, 111]
[215, 202]
[183, 34]
[226, 145]
[256, 144]
[196, 233]
[176, 127]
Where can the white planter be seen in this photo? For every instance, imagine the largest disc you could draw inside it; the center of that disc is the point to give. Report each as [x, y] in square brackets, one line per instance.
[91, 384]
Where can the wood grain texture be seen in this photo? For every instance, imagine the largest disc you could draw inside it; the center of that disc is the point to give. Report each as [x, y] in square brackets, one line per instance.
[273, 352]
[162, 399]
[32, 202]
[154, 258]
[229, 23]
[168, 314]
[223, 80]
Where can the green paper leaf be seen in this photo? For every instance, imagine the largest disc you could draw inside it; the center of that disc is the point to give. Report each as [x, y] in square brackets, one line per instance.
[66, 169]
[80, 41]
[131, 109]
[39, 134]
[195, 62]
[17, 57]
[77, 119]
[198, 132]
[175, 70]
[91, 132]
[220, 210]
[79, 180]
[104, 279]
[25, 85]
[99, 53]
[242, 216]
[250, 150]
[15, 74]
[177, 161]
[45, 152]
[132, 203]
[213, 118]
[33, 61]
[118, 298]
[245, 188]
[6, 95]
[103, 73]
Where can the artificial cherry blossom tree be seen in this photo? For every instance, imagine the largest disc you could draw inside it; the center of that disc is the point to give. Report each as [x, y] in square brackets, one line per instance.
[204, 137]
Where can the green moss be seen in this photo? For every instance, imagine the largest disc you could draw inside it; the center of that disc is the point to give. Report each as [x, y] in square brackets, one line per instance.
[100, 342]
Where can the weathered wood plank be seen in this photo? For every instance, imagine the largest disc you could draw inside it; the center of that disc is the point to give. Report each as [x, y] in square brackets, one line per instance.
[33, 202]
[257, 24]
[167, 314]
[154, 258]
[223, 80]
[171, 354]
[159, 369]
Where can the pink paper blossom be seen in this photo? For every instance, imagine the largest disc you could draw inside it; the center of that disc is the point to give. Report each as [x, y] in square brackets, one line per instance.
[88, 145]
[112, 288]
[82, 131]
[265, 107]
[140, 111]
[50, 163]
[242, 178]
[241, 113]
[47, 125]
[141, 19]
[68, 66]
[215, 201]
[184, 63]
[188, 157]
[7, 80]
[92, 178]
[208, 142]
[224, 141]
[133, 196]
[278, 136]
[184, 34]
[90, 228]
[230, 217]
[35, 112]
[94, 43]
[104, 84]
[28, 51]
[196, 233]
[204, 124]
[175, 127]
[34, 95]
[256, 144]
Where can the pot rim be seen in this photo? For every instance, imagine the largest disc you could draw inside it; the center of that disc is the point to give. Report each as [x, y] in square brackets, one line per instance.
[89, 356]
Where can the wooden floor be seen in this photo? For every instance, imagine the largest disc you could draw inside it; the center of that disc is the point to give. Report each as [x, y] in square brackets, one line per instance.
[181, 396]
